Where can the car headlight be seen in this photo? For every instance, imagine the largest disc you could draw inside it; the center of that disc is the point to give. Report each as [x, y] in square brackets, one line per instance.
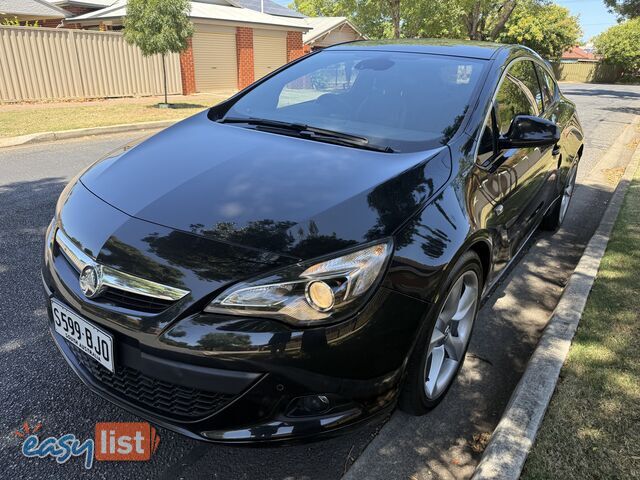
[309, 293]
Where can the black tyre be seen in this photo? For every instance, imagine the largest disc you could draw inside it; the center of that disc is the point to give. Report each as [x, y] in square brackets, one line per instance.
[441, 348]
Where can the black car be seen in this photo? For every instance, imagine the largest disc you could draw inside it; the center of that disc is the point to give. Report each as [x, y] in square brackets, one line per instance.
[312, 251]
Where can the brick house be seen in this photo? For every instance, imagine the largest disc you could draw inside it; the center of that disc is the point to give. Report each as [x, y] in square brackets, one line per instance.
[233, 44]
[579, 54]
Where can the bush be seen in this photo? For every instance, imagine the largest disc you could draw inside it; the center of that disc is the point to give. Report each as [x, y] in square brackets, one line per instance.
[620, 45]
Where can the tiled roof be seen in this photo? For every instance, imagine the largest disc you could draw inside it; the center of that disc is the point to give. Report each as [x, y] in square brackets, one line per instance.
[577, 53]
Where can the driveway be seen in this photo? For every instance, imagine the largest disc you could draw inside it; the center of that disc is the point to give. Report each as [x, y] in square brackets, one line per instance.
[37, 386]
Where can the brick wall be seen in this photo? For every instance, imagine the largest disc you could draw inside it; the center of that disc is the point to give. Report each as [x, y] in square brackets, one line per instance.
[50, 23]
[244, 50]
[187, 70]
[295, 48]
[73, 10]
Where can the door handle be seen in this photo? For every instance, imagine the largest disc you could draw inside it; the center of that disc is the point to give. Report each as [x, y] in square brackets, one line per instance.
[499, 209]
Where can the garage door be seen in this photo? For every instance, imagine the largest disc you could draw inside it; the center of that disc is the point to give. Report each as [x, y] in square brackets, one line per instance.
[269, 51]
[214, 58]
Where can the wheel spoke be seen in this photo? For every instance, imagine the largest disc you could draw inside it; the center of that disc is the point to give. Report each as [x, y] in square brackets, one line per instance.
[446, 373]
[436, 338]
[437, 359]
[467, 302]
[454, 347]
[451, 304]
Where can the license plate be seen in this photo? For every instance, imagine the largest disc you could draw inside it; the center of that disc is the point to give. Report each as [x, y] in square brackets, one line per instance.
[92, 340]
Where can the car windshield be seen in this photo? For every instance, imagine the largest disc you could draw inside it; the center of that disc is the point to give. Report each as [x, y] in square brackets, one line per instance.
[396, 100]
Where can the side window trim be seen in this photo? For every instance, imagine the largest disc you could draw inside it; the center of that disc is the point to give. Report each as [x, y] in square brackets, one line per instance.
[492, 105]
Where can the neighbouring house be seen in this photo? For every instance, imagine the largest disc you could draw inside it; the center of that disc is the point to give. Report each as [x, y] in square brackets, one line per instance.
[76, 7]
[579, 54]
[327, 31]
[233, 44]
[31, 11]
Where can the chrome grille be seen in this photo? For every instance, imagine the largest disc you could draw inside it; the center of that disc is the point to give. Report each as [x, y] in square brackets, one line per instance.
[122, 289]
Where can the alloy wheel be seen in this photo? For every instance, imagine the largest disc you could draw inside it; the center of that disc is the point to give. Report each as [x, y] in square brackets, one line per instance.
[451, 335]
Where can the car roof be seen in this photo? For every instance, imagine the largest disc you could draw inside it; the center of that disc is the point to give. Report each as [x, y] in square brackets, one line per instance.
[434, 46]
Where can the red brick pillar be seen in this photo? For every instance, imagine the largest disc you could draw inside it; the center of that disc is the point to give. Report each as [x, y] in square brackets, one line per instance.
[244, 49]
[294, 45]
[187, 70]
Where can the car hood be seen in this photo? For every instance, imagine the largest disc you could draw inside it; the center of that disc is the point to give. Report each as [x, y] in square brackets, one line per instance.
[257, 189]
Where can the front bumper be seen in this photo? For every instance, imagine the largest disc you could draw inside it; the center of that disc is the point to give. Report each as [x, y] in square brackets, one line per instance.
[259, 387]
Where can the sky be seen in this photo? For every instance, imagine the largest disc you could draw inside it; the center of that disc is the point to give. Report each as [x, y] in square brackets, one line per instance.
[594, 17]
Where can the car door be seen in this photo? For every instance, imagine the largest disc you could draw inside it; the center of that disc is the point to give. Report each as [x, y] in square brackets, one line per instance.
[514, 180]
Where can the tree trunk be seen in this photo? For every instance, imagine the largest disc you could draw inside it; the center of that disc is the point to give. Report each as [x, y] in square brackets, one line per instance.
[507, 9]
[473, 21]
[164, 78]
[395, 17]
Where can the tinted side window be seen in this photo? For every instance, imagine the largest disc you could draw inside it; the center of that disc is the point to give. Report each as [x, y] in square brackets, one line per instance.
[526, 73]
[487, 147]
[511, 101]
[549, 84]
[546, 93]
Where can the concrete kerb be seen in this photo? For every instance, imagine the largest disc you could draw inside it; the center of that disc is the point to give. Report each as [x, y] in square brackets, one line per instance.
[82, 132]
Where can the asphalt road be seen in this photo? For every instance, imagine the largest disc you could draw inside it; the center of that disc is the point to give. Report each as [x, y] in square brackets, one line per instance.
[37, 386]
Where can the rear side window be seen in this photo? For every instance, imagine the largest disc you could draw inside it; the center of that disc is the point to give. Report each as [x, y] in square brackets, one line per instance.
[526, 73]
[549, 87]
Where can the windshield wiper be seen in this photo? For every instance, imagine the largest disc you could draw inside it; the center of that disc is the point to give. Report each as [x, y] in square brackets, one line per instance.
[264, 122]
[313, 133]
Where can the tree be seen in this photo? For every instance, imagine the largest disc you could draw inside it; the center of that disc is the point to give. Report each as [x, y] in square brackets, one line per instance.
[441, 19]
[474, 19]
[485, 19]
[549, 29]
[392, 18]
[14, 22]
[619, 45]
[375, 18]
[624, 8]
[158, 27]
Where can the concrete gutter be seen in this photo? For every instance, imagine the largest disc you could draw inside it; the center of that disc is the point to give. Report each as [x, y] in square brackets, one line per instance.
[515, 434]
[82, 132]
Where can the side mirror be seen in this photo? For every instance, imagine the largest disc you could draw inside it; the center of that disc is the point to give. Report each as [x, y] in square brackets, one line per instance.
[529, 131]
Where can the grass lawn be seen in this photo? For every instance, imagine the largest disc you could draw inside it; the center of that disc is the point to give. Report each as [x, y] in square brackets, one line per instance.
[592, 427]
[22, 119]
